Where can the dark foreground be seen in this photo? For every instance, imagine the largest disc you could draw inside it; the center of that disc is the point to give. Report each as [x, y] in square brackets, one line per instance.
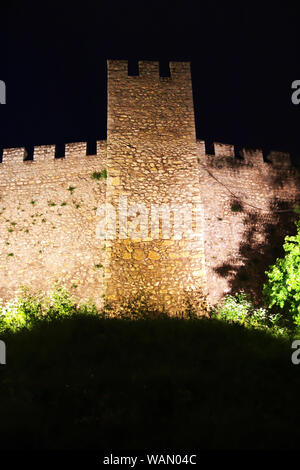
[89, 383]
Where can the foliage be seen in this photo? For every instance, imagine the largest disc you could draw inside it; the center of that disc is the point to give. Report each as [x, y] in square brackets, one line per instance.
[282, 289]
[29, 308]
[98, 175]
[240, 309]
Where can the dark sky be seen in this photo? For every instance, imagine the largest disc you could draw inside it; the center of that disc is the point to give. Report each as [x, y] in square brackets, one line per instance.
[244, 59]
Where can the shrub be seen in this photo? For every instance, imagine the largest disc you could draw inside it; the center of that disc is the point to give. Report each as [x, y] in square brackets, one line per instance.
[239, 308]
[29, 308]
[21, 312]
[60, 304]
[283, 286]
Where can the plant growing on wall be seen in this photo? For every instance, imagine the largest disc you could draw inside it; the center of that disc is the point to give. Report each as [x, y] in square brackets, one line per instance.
[98, 175]
[236, 207]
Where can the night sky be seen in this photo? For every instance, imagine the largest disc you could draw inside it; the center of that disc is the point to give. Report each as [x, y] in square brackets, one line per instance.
[244, 59]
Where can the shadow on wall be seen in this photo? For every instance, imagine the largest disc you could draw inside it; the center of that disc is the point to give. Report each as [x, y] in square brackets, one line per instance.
[261, 244]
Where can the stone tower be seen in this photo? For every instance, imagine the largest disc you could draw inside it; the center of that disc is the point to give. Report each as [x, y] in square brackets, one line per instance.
[152, 167]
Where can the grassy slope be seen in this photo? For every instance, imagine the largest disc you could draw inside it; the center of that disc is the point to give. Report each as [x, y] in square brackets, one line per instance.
[87, 383]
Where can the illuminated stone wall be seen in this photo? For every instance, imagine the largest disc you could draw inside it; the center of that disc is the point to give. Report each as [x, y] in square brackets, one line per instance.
[248, 210]
[47, 229]
[241, 207]
[152, 159]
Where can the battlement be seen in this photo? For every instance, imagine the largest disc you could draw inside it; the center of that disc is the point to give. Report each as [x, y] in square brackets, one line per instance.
[148, 69]
[216, 151]
[47, 153]
[208, 150]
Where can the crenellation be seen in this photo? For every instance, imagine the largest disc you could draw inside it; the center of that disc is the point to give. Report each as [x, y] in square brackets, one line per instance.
[222, 149]
[102, 148]
[149, 69]
[117, 69]
[253, 157]
[44, 153]
[280, 159]
[75, 150]
[180, 70]
[13, 156]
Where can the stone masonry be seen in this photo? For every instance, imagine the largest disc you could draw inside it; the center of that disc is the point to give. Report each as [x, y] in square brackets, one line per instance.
[48, 217]
[152, 159]
[242, 206]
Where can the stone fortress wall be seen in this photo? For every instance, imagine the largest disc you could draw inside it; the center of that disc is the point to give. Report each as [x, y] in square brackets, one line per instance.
[248, 201]
[48, 206]
[47, 229]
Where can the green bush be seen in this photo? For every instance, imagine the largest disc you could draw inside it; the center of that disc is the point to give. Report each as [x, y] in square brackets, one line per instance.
[29, 308]
[282, 289]
[21, 312]
[239, 308]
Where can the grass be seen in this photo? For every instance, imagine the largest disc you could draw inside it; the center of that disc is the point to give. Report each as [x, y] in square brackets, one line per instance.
[92, 383]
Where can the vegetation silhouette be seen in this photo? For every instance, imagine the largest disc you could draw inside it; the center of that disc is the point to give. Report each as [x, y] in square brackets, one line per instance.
[87, 382]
